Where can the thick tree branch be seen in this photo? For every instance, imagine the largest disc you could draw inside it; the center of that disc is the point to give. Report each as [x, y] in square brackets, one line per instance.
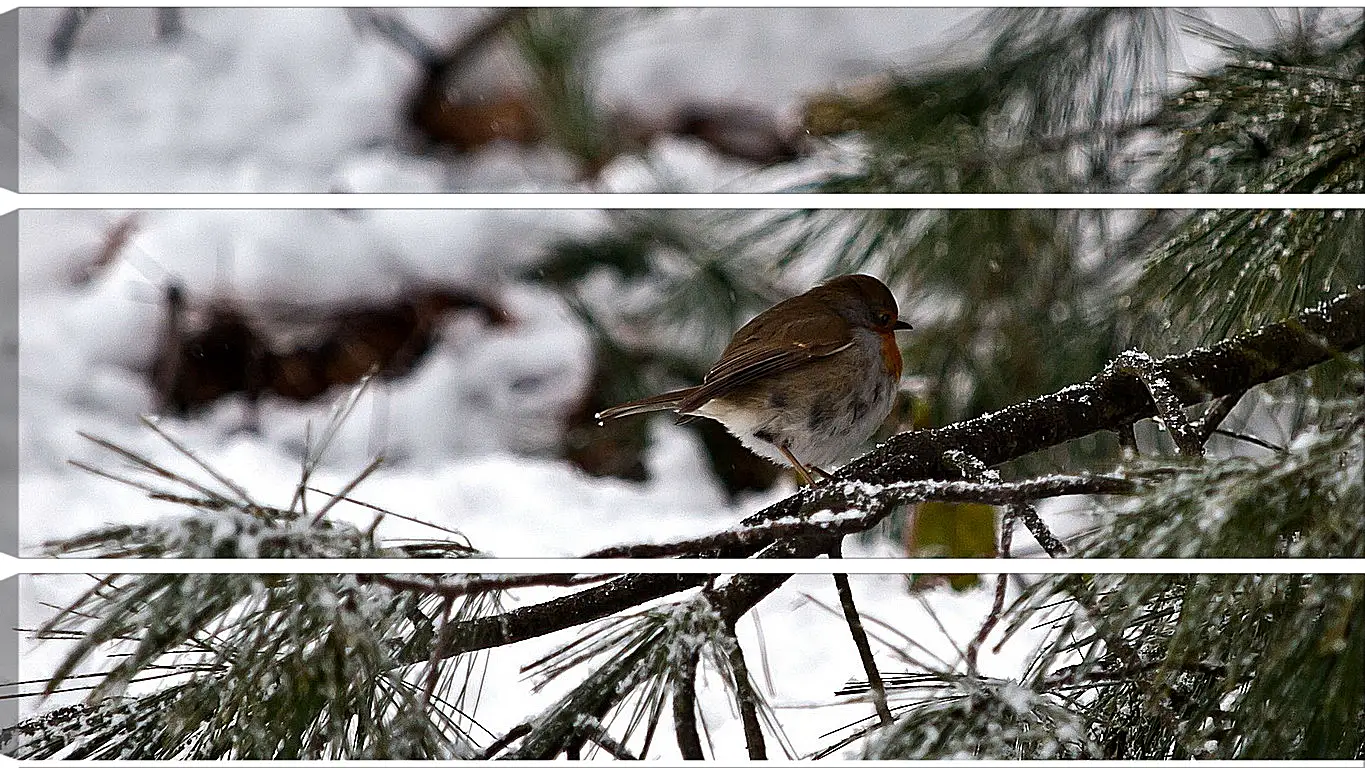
[1111, 400]
[569, 611]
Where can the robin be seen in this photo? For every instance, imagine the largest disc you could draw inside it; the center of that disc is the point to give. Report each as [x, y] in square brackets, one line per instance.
[805, 382]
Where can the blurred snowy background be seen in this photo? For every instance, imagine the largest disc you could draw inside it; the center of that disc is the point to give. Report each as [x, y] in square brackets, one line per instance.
[472, 435]
[317, 100]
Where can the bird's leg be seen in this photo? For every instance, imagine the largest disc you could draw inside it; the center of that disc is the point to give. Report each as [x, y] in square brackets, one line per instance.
[798, 466]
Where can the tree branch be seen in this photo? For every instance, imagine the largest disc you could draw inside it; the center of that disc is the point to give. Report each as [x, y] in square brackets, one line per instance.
[857, 507]
[1111, 400]
[560, 613]
[1001, 583]
[1168, 406]
[855, 628]
[747, 699]
[685, 708]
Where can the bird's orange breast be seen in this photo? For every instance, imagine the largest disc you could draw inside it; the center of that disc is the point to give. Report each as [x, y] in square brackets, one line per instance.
[891, 354]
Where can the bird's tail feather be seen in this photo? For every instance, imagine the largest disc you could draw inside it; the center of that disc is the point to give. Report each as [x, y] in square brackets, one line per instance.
[665, 402]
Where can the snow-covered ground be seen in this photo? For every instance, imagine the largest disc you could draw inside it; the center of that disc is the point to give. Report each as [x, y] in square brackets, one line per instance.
[307, 100]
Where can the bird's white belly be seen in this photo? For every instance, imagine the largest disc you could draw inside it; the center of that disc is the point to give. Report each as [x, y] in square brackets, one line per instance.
[850, 418]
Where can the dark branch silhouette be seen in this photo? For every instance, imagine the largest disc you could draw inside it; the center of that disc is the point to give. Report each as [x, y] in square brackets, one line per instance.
[1111, 400]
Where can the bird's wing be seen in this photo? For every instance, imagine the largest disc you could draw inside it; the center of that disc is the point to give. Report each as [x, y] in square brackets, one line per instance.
[750, 360]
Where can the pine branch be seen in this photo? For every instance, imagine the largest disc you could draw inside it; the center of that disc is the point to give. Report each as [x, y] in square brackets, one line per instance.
[561, 613]
[900, 469]
[685, 708]
[1111, 400]
[1001, 583]
[747, 699]
[856, 507]
[855, 628]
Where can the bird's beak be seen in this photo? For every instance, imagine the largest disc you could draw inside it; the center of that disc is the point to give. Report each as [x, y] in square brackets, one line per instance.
[901, 325]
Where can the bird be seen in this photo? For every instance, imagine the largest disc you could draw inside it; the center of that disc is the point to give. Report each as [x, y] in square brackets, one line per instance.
[803, 383]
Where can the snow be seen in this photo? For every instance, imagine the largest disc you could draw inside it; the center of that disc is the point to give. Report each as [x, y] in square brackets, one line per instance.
[325, 97]
[267, 100]
[264, 100]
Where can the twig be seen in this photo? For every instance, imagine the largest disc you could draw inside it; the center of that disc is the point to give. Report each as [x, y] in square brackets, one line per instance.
[768, 685]
[381, 512]
[1208, 424]
[347, 488]
[183, 450]
[685, 708]
[747, 699]
[115, 240]
[593, 730]
[507, 738]
[396, 31]
[855, 628]
[974, 469]
[460, 54]
[1053, 546]
[156, 469]
[63, 39]
[1001, 583]
[152, 491]
[1168, 406]
[434, 663]
[313, 453]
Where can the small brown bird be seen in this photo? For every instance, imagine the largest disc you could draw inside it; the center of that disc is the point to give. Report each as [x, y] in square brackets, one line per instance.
[806, 381]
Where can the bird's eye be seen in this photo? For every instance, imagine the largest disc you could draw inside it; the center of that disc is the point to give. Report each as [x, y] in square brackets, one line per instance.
[883, 318]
